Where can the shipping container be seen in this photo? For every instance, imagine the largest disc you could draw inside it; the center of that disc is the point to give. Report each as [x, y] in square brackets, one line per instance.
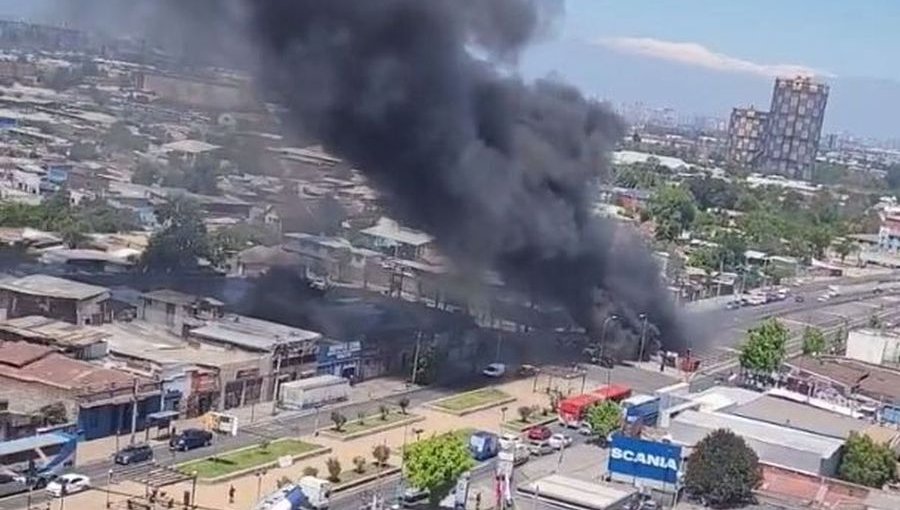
[313, 392]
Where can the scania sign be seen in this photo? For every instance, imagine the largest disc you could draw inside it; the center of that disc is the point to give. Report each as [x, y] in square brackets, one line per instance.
[639, 459]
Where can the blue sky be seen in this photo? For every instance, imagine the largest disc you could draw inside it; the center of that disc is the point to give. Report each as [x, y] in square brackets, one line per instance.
[845, 37]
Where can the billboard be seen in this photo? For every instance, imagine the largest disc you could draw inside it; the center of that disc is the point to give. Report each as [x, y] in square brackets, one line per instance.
[647, 460]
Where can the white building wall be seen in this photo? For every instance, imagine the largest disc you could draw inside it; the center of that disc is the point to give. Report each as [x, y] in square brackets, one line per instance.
[873, 346]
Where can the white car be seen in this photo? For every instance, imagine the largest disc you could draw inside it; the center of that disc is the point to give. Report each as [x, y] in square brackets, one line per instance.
[559, 441]
[68, 484]
[509, 441]
[495, 370]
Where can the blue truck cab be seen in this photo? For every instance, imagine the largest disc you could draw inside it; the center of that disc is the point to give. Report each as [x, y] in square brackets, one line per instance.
[484, 445]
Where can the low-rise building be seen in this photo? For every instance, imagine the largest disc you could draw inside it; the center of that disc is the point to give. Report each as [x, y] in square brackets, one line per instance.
[177, 310]
[99, 400]
[291, 353]
[776, 445]
[391, 238]
[70, 339]
[57, 298]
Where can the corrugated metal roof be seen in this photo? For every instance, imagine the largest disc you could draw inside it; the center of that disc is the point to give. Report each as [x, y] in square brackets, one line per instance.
[576, 492]
[30, 443]
[44, 285]
[760, 431]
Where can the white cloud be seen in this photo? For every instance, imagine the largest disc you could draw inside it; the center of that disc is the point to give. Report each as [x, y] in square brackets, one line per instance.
[694, 54]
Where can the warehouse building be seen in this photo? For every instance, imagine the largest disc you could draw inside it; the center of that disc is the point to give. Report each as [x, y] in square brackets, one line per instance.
[788, 448]
[779, 411]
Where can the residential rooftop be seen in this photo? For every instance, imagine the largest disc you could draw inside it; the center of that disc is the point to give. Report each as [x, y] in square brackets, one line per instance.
[175, 297]
[44, 330]
[254, 334]
[44, 285]
[387, 228]
[189, 147]
[154, 343]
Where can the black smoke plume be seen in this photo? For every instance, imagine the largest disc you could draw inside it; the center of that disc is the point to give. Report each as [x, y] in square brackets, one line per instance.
[422, 97]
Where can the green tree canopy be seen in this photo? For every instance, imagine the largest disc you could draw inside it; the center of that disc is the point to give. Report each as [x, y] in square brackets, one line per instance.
[813, 341]
[437, 463]
[764, 349]
[181, 241]
[866, 462]
[673, 210]
[723, 470]
[604, 418]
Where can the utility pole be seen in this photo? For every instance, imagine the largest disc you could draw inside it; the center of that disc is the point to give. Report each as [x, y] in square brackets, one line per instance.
[643, 318]
[415, 366]
[276, 382]
[134, 408]
[499, 344]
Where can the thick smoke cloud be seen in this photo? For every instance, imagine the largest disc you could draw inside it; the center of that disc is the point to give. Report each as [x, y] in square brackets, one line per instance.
[419, 95]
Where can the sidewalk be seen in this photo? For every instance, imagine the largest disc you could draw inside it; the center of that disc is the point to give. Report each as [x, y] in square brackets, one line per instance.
[104, 448]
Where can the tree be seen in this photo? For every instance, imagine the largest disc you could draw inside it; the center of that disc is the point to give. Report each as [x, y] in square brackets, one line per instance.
[604, 418]
[403, 404]
[339, 420]
[146, 173]
[360, 463]
[54, 414]
[524, 413]
[182, 241]
[283, 482]
[765, 347]
[813, 341]
[73, 235]
[845, 247]
[310, 471]
[723, 470]
[334, 469]
[384, 411]
[381, 453]
[435, 464]
[361, 417]
[673, 210]
[866, 462]
[874, 321]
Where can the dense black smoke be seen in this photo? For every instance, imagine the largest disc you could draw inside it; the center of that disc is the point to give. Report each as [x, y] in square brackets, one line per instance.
[418, 94]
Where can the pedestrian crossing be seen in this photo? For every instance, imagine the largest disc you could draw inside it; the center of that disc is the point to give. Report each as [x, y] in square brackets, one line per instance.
[149, 474]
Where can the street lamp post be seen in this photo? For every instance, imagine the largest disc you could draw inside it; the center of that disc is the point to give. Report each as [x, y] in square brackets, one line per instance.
[643, 318]
[194, 489]
[503, 416]
[109, 475]
[603, 346]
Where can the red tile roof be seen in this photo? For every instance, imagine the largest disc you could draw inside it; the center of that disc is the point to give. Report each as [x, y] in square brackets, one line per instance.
[68, 374]
[19, 354]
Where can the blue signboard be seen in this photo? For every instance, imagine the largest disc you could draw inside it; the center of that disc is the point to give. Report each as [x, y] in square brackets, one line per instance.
[647, 460]
[337, 352]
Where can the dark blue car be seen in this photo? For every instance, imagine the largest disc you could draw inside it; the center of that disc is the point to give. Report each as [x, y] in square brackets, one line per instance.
[189, 439]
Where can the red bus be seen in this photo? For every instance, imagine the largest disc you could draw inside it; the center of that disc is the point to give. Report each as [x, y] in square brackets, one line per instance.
[614, 392]
[572, 410]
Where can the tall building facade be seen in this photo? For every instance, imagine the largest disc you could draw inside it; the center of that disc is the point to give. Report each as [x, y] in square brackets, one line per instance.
[794, 126]
[746, 131]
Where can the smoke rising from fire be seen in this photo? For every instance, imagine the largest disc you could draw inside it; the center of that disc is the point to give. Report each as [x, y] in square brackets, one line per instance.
[420, 95]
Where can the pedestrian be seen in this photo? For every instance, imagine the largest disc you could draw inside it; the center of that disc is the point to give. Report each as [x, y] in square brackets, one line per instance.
[231, 495]
[477, 501]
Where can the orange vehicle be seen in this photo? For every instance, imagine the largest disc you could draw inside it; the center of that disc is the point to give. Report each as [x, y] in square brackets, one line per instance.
[614, 392]
[572, 410]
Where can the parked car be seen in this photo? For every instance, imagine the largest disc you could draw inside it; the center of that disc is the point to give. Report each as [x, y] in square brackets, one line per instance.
[495, 370]
[189, 439]
[559, 441]
[585, 429]
[413, 497]
[733, 305]
[539, 433]
[798, 298]
[509, 441]
[68, 484]
[538, 448]
[133, 454]
[527, 371]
